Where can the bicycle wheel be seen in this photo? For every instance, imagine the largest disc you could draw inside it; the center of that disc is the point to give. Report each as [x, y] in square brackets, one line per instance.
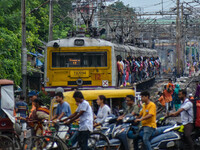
[47, 143]
[6, 143]
[28, 142]
[17, 142]
[98, 141]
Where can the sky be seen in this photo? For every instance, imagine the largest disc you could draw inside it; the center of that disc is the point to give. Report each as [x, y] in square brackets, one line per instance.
[152, 5]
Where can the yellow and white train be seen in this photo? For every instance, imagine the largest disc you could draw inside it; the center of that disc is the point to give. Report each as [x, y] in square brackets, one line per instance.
[88, 63]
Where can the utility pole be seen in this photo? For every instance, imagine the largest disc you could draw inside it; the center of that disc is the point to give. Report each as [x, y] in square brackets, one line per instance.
[24, 50]
[178, 46]
[182, 39]
[50, 20]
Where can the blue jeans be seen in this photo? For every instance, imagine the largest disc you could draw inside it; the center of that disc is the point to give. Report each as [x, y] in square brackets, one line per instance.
[74, 138]
[83, 137]
[148, 131]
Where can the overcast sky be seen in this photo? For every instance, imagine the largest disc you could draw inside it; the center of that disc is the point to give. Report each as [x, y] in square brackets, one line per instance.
[152, 5]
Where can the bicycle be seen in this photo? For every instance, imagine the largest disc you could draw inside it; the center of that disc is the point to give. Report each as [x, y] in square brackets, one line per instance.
[27, 142]
[52, 140]
[10, 140]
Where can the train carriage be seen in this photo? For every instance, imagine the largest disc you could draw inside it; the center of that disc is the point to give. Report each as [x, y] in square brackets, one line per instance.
[85, 62]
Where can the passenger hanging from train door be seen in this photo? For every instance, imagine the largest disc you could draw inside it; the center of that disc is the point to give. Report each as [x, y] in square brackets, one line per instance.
[145, 68]
[129, 69]
[119, 70]
[133, 68]
[137, 62]
[141, 68]
[123, 62]
[127, 72]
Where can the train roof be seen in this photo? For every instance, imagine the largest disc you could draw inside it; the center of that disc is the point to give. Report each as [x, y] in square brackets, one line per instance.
[69, 42]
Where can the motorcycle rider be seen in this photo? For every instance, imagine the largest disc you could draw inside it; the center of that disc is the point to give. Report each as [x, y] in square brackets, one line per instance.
[186, 111]
[132, 107]
[148, 118]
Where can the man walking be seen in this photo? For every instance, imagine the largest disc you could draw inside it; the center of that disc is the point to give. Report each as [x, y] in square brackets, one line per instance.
[84, 112]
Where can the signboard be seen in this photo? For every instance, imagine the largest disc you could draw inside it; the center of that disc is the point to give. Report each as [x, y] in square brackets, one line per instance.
[79, 73]
[105, 83]
[74, 62]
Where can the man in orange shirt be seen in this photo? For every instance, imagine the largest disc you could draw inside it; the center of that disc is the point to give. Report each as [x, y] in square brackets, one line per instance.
[148, 118]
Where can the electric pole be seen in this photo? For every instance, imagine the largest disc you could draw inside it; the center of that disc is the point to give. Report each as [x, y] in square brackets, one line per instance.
[50, 20]
[24, 50]
[178, 46]
[182, 39]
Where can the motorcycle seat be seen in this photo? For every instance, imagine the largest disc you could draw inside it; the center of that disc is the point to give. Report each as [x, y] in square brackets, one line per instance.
[157, 132]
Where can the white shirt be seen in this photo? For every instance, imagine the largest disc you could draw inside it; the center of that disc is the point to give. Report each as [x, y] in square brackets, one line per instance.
[187, 115]
[102, 114]
[86, 119]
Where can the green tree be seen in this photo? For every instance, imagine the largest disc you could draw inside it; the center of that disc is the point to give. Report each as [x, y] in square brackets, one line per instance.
[37, 26]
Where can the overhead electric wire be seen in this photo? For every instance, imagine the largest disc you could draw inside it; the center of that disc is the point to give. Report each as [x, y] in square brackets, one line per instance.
[156, 4]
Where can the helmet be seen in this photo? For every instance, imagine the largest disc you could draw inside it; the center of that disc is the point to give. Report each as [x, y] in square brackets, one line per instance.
[59, 89]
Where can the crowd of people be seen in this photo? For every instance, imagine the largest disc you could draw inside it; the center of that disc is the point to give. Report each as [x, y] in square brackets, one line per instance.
[169, 99]
[134, 69]
[88, 120]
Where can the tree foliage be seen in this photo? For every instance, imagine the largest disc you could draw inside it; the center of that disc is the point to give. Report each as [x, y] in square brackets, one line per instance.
[37, 25]
[121, 19]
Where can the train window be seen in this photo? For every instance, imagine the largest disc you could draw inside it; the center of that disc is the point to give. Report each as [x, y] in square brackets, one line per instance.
[79, 59]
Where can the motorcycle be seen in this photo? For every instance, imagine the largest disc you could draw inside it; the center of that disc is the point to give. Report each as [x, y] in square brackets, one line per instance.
[168, 137]
[111, 127]
[121, 131]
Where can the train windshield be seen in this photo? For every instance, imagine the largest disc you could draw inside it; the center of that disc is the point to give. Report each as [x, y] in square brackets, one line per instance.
[79, 59]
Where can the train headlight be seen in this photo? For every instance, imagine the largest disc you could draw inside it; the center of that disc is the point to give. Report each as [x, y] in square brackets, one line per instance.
[55, 45]
[79, 82]
[79, 42]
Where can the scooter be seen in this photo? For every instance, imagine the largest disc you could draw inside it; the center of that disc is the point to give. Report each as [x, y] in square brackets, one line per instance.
[168, 137]
[108, 126]
[129, 130]
[121, 131]
[111, 127]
